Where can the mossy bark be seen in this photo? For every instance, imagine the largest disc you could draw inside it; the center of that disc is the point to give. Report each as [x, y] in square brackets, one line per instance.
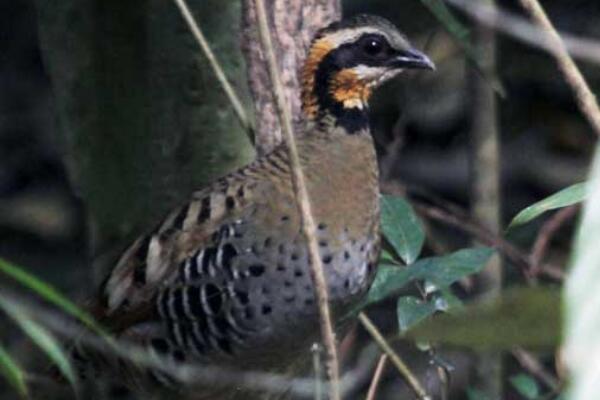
[144, 121]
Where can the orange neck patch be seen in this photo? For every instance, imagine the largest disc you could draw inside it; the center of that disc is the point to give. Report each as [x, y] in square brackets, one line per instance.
[316, 54]
[345, 87]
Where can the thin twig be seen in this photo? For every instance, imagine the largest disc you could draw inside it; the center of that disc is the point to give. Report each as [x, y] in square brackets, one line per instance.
[510, 251]
[404, 370]
[236, 103]
[520, 29]
[586, 100]
[546, 234]
[376, 377]
[308, 223]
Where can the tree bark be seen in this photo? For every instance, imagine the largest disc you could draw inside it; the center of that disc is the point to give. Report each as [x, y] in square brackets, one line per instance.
[292, 23]
[144, 120]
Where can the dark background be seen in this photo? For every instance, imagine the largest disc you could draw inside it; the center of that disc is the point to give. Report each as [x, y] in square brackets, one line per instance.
[420, 124]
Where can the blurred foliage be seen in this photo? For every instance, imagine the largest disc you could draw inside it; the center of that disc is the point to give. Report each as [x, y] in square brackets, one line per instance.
[12, 372]
[526, 385]
[528, 317]
[41, 337]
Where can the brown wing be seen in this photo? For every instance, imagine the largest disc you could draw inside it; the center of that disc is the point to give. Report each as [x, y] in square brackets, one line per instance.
[151, 264]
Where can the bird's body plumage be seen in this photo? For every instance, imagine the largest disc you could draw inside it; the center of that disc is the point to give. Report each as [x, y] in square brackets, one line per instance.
[225, 279]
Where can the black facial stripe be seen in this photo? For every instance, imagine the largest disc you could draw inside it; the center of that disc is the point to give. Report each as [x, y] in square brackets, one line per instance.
[354, 119]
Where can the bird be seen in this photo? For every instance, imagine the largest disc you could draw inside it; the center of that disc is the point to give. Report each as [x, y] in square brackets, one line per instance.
[224, 280]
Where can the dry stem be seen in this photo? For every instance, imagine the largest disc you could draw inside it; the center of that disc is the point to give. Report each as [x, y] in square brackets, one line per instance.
[585, 98]
[376, 377]
[406, 373]
[308, 223]
[546, 234]
[520, 29]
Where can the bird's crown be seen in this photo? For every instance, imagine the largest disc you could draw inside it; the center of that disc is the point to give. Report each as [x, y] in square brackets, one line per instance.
[346, 60]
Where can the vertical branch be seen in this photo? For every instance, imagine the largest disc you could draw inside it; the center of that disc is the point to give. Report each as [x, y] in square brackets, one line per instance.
[301, 193]
[293, 24]
[485, 186]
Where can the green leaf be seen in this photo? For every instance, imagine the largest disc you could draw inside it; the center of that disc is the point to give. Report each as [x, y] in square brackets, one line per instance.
[461, 34]
[475, 394]
[12, 372]
[441, 271]
[526, 386]
[522, 317]
[566, 197]
[49, 294]
[41, 337]
[401, 227]
[389, 280]
[444, 271]
[387, 258]
[411, 311]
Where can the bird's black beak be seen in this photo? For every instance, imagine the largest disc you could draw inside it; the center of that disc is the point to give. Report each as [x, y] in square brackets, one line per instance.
[412, 59]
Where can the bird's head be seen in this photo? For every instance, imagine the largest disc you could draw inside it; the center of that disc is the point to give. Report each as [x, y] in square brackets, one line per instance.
[347, 60]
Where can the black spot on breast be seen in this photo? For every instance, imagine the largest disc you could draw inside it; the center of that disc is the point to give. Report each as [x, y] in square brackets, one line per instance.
[280, 267]
[285, 218]
[298, 273]
[289, 299]
[308, 302]
[281, 248]
[294, 257]
[323, 243]
[346, 255]
[287, 283]
[266, 309]
[249, 313]
[242, 296]
[322, 226]
[370, 267]
[268, 242]
[327, 259]
[256, 270]
[347, 283]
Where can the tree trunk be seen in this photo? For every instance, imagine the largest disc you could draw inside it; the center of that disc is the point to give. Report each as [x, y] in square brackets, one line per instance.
[485, 191]
[292, 23]
[144, 120]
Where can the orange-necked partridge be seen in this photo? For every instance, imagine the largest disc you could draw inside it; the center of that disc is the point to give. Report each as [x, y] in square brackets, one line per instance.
[224, 280]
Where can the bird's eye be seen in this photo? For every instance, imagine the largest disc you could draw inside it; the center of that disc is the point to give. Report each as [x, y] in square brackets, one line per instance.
[373, 47]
